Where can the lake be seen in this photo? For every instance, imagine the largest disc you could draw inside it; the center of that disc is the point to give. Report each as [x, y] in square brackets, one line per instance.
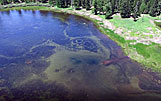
[60, 57]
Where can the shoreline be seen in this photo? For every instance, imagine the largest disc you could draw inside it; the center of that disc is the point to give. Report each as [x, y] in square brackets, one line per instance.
[105, 27]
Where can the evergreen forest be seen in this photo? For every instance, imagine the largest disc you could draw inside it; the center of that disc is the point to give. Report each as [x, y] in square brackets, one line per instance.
[126, 8]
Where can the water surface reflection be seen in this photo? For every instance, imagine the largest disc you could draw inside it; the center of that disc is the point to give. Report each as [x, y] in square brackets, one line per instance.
[55, 56]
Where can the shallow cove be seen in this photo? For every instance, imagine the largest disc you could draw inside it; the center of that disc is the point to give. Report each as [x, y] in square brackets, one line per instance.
[54, 56]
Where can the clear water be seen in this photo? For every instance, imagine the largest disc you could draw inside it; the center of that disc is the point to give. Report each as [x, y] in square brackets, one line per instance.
[58, 57]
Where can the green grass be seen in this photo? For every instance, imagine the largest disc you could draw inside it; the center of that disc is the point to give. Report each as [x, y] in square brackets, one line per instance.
[151, 53]
[141, 25]
[142, 49]
[69, 8]
[116, 37]
[102, 16]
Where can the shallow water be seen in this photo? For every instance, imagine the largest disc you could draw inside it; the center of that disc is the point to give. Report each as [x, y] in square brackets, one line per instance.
[54, 56]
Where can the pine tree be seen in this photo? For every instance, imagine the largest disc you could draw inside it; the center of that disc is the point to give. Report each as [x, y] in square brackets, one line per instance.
[116, 5]
[104, 10]
[83, 3]
[1, 2]
[72, 3]
[58, 3]
[112, 3]
[154, 9]
[51, 2]
[108, 11]
[100, 6]
[142, 7]
[136, 12]
[87, 3]
[125, 10]
[63, 3]
[95, 6]
[4, 2]
[77, 4]
[159, 8]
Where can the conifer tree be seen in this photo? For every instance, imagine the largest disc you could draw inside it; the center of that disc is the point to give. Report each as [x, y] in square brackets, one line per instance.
[100, 5]
[154, 11]
[125, 10]
[136, 12]
[142, 7]
[51, 2]
[112, 4]
[108, 11]
[95, 6]
[77, 4]
[83, 3]
[87, 3]
[58, 3]
[106, 7]
[1, 2]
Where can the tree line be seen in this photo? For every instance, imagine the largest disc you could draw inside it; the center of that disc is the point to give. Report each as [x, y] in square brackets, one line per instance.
[126, 8]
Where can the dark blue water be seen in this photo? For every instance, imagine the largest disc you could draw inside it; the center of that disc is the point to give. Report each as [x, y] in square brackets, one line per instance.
[54, 56]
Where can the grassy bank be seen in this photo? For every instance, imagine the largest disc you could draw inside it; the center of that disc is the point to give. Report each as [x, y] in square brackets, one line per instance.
[140, 46]
[139, 39]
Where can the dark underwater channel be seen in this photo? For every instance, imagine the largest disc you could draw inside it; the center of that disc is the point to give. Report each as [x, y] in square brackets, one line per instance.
[47, 56]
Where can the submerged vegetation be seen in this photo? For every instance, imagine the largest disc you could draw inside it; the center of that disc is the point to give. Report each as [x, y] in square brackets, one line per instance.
[45, 55]
[138, 33]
